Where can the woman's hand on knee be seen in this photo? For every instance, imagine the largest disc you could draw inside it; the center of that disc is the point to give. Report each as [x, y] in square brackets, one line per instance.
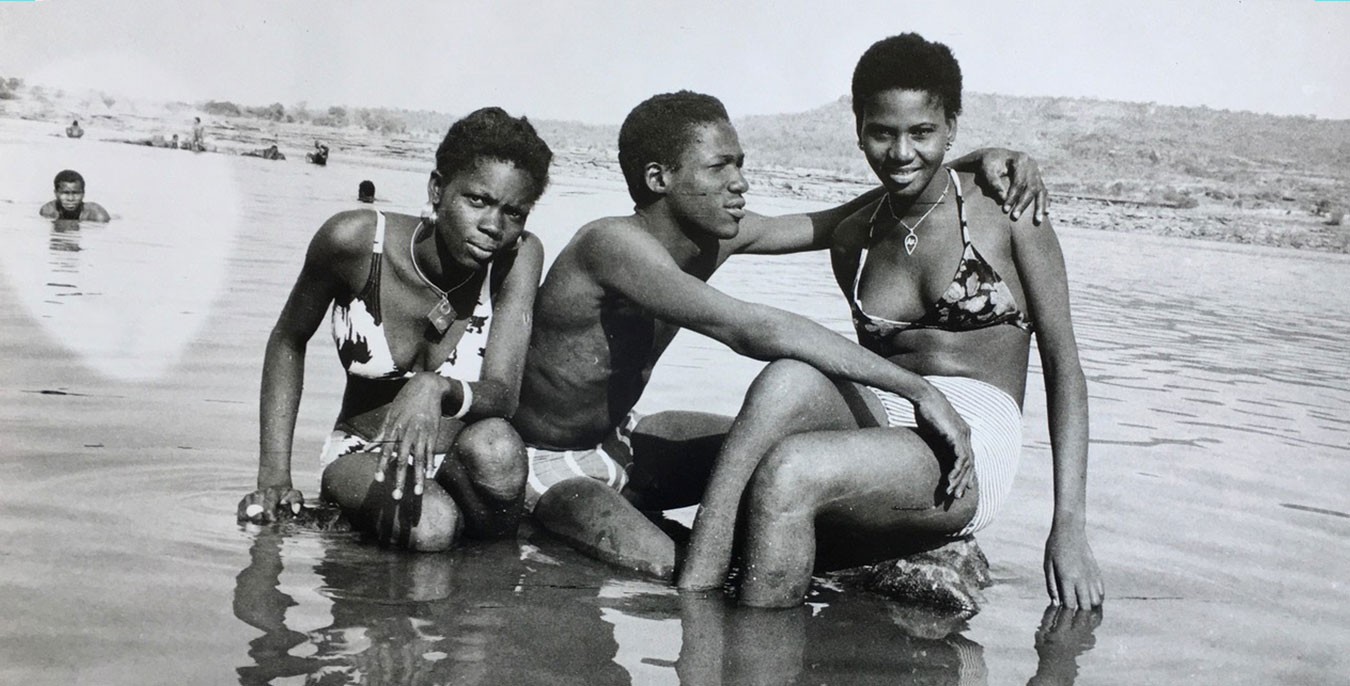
[407, 438]
[936, 415]
[267, 505]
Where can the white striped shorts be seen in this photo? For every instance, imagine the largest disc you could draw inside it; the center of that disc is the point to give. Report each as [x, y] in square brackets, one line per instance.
[995, 434]
[607, 462]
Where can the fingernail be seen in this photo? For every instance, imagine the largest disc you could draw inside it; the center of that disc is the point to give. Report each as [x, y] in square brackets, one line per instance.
[410, 460]
[398, 494]
[295, 508]
[417, 490]
[253, 510]
[379, 477]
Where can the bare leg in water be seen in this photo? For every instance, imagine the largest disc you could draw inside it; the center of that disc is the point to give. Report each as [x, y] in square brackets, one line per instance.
[880, 486]
[673, 453]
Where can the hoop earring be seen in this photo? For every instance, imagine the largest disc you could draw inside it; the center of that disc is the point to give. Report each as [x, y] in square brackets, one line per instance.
[429, 213]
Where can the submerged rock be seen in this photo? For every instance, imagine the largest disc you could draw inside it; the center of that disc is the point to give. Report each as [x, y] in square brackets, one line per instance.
[322, 517]
[947, 578]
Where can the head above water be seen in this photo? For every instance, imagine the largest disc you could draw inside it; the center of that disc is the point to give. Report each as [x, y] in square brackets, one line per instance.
[659, 130]
[907, 62]
[365, 191]
[492, 134]
[67, 176]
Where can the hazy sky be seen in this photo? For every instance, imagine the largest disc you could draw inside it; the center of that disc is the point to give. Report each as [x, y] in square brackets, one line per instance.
[592, 60]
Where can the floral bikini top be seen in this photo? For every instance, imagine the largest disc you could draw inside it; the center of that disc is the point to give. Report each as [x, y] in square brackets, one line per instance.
[977, 297]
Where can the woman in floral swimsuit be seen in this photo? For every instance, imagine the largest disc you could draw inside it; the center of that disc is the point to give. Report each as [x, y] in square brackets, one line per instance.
[940, 282]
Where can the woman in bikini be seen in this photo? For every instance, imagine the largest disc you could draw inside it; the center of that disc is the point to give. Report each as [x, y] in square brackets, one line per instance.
[431, 319]
[940, 282]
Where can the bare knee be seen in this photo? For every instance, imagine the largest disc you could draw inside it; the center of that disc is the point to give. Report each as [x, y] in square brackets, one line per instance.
[436, 523]
[787, 379]
[494, 456]
[793, 392]
[787, 482]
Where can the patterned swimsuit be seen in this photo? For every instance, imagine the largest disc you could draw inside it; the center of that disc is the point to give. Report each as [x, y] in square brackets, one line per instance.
[358, 332]
[976, 298]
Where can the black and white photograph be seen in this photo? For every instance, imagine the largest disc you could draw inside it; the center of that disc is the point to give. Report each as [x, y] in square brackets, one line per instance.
[674, 344]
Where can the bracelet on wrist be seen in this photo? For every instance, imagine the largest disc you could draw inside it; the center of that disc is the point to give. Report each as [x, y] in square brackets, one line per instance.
[466, 400]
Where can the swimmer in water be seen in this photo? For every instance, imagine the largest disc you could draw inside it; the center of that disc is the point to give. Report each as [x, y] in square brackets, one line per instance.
[70, 203]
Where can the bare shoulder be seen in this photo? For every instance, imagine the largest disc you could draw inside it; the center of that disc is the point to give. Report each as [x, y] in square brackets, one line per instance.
[983, 211]
[95, 212]
[528, 255]
[530, 246]
[48, 210]
[851, 235]
[345, 234]
[613, 237]
[977, 195]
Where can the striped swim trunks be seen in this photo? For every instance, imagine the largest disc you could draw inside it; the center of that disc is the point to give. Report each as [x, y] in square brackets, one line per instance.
[607, 462]
[995, 434]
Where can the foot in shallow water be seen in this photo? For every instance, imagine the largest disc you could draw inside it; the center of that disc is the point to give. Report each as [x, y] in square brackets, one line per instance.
[947, 578]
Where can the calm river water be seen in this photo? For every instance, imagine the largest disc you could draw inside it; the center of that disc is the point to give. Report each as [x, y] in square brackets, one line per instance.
[1219, 502]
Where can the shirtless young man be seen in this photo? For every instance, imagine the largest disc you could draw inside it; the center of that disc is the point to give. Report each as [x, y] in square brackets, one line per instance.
[615, 297]
[69, 202]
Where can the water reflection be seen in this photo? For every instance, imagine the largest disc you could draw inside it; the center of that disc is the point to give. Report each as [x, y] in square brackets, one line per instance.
[1065, 635]
[509, 613]
[63, 260]
[474, 617]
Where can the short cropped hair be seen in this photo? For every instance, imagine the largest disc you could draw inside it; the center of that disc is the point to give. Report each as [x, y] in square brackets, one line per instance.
[907, 62]
[658, 130]
[67, 176]
[491, 133]
[365, 190]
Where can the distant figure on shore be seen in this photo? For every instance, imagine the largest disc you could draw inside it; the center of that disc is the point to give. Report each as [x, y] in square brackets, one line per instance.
[74, 130]
[69, 202]
[159, 141]
[198, 135]
[268, 153]
[320, 154]
[365, 191]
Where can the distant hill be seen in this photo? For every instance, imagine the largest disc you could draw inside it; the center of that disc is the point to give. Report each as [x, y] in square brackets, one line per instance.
[1099, 147]
[1190, 171]
[1139, 152]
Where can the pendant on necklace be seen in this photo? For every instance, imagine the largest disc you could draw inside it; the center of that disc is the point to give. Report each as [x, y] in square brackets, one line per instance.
[911, 242]
[442, 315]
